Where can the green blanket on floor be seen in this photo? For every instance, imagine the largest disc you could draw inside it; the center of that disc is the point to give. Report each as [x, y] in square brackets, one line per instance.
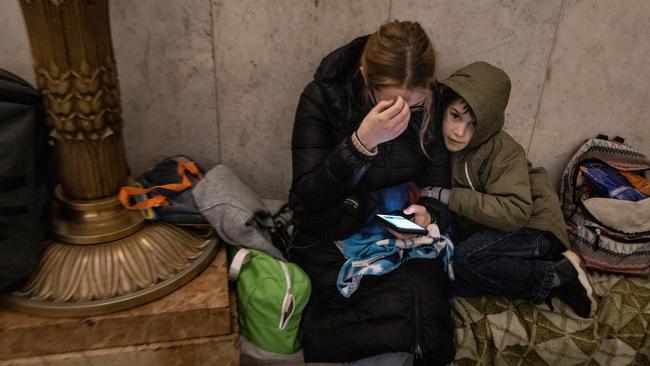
[497, 331]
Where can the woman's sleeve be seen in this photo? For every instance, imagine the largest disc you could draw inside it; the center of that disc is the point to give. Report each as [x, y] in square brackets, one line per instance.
[437, 168]
[507, 202]
[324, 172]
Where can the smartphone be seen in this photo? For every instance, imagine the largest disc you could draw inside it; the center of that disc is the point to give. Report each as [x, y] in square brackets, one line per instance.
[402, 224]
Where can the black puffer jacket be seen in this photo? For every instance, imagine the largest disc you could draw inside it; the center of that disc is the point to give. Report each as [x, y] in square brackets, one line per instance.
[405, 310]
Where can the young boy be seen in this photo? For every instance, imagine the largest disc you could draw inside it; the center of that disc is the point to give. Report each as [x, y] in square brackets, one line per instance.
[510, 225]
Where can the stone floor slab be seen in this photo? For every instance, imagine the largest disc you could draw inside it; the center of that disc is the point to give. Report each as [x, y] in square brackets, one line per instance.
[199, 309]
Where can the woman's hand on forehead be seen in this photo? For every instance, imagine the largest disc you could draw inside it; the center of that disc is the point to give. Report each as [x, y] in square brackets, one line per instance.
[384, 122]
[413, 97]
[394, 107]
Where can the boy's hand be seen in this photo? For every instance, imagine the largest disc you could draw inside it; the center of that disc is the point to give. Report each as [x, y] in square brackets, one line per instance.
[440, 213]
[384, 122]
[421, 218]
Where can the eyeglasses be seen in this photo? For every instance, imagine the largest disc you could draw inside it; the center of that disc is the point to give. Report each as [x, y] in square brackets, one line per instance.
[417, 107]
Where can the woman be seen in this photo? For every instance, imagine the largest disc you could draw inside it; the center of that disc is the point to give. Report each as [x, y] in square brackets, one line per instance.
[365, 123]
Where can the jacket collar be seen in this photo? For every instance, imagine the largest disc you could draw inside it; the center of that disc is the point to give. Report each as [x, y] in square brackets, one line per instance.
[342, 85]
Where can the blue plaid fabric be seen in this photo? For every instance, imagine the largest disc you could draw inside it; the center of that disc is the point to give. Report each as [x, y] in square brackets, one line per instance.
[373, 251]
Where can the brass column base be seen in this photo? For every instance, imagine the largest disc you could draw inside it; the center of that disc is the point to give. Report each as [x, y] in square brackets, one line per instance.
[92, 221]
[84, 280]
[81, 273]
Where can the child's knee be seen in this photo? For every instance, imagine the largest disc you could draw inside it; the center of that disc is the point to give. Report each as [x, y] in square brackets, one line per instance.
[462, 256]
[462, 259]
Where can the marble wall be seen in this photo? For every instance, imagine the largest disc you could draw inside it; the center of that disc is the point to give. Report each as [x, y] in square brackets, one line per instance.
[219, 79]
[165, 61]
[15, 54]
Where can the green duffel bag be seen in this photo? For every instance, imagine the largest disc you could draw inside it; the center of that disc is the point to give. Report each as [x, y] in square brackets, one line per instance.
[271, 295]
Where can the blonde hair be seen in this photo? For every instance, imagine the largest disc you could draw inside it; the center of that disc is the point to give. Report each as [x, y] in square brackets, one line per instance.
[401, 55]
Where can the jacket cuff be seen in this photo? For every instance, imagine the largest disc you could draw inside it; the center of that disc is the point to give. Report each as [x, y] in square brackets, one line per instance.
[347, 165]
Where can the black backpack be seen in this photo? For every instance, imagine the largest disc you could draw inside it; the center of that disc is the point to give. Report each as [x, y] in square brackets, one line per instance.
[25, 189]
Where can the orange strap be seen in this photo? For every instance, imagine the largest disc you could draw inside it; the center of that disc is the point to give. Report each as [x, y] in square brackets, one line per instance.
[159, 200]
[637, 182]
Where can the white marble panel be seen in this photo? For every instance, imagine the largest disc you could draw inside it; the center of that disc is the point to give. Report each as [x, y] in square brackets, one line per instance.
[219, 79]
[266, 52]
[598, 81]
[15, 53]
[166, 70]
[514, 35]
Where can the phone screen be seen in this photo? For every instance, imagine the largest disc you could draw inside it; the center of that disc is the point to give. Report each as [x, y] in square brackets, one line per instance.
[402, 224]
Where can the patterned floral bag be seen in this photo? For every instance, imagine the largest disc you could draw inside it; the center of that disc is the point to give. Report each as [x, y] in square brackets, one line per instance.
[609, 234]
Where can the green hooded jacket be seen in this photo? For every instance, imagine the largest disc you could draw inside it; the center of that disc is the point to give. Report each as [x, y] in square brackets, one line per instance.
[493, 182]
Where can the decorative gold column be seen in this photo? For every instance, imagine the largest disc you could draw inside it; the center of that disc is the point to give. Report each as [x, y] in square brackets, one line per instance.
[102, 257]
[75, 69]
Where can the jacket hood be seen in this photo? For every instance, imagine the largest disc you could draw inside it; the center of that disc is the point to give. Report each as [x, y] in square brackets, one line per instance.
[342, 64]
[341, 82]
[486, 88]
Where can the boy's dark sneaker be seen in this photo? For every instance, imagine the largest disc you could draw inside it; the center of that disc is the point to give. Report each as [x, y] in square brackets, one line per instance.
[575, 289]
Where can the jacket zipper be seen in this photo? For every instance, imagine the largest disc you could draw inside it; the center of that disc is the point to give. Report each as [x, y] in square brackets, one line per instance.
[284, 318]
[387, 158]
[469, 180]
[638, 235]
[418, 330]
[596, 240]
[417, 349]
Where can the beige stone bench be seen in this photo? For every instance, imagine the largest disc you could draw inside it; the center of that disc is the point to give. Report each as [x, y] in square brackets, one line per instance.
[195, 325]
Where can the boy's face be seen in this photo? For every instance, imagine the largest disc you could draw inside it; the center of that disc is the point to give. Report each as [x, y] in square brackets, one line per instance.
[458, 125]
